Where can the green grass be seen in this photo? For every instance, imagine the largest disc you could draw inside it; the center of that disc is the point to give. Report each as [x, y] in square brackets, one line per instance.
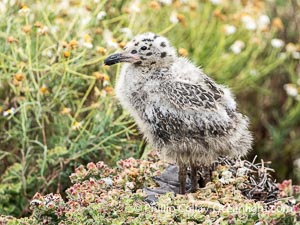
[56, 98]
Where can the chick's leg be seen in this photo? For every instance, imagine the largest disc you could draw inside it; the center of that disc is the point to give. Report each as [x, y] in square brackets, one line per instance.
[194, 177]
[182, 178]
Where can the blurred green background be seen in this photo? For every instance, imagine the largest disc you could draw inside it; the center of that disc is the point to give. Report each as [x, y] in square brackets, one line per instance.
[57, 104]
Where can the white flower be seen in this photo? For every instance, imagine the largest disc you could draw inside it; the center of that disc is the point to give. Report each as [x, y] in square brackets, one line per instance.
[10, 111]
[112, 44]
[173, 17]
[277, 43]
[249, 22]
[86, 41]
[62, 5]
[135, 6]
[11, 2]
[126, 31]
[296, 55]
[47, 53]
[85, 20]
[108, 37]
[253, 73]
[105, 83]
[290, 47]
[2, 8]
[76, 125]
[229, 29]
[226, 177]
[101, 15]
[166, 2]
[87, 45]
[24, 11]
[297, 163]
[237, 47]
[291, 89]
[54, 29]
[108, 181]
[73, 11]
[215, 2]
[43, 30]
[263, 21]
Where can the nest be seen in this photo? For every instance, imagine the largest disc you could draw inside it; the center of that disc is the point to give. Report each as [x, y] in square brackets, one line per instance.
[259, 184]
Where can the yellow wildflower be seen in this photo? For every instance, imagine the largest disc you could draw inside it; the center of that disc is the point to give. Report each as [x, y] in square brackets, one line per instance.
[64, 44]
[38, 24]
[10, 111]
[98, 31]
[26, 29]
[73, 44]
[101, 50]
[76, 125]
[259, 5]
[95, 105]
[24, 10]
[11, 39]
[65, 111]
[87, 41]
[181, 18]
[277, 23]
[19, 76]
[87, 37]
[177, 4]
[67, 54]
[154, 5]
[193, 6]
[44, 89]
[109, 90]
[218, 13]
[101, 76]
[183, 52]
[122, 44]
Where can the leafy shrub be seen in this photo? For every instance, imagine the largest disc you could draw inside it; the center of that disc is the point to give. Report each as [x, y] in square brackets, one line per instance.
[56, 98]
[102, 195]
[57, 101]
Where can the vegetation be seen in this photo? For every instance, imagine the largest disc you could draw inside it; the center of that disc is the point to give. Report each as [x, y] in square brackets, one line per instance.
[102, 195]
[57, 107]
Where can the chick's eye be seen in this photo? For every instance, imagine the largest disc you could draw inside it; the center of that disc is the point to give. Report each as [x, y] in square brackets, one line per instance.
[143, 48]
[133, 51]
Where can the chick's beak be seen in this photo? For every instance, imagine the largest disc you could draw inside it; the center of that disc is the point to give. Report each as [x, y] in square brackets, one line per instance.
[121, 57]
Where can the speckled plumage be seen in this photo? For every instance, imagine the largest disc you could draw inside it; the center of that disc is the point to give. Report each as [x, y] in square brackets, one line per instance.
[181, 111]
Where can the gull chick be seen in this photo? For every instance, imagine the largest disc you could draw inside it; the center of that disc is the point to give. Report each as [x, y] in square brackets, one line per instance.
[181, 111]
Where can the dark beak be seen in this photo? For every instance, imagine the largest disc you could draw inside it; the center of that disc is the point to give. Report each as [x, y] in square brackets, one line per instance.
[121, 57]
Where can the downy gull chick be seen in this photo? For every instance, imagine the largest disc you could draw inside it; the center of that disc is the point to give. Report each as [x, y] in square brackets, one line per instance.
[180, 110]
